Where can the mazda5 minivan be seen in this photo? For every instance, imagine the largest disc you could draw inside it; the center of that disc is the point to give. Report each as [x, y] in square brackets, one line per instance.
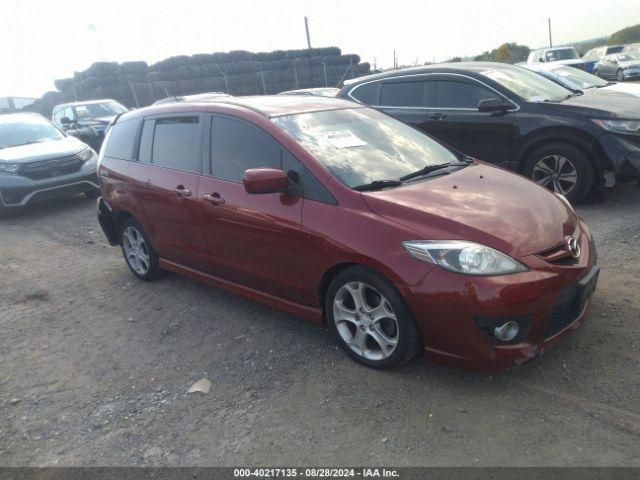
[345, 216]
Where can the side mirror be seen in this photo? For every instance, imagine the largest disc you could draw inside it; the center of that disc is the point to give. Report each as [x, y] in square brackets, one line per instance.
[65, 122]
[265, 180]
[493, 105]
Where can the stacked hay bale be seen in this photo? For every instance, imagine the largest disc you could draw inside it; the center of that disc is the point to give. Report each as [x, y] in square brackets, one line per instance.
[136, 84]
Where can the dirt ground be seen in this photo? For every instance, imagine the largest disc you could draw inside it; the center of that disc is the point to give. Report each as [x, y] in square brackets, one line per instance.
[95, 366]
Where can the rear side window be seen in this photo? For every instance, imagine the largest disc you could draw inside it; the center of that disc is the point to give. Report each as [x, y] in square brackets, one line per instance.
[403, 94]
[237, 146]
[176, 143]
[122, 140]
[451, 94]
[367, 93]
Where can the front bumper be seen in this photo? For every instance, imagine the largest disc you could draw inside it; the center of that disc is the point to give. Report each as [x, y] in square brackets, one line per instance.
[18, 191]
[622, 153]
[546, 297]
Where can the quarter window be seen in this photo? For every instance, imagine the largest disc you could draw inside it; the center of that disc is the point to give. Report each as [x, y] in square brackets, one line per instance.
[367, 93]
[122, 140]
[402, 94]
[176, 144]
[451, 94]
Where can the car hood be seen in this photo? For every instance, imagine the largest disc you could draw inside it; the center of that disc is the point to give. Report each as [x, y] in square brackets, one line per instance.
[597, 104]
[42, 150]
[570, 62]
[479, 203]
[630, 63]
[630, 88]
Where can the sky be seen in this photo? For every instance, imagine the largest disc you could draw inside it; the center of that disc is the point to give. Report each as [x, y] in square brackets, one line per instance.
[41, 40]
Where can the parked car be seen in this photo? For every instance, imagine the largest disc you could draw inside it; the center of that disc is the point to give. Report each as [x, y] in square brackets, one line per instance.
[319, 92]
[579, 80]
[596, 54]
[199, 97]
[619, 66]
[87, 120]
[631, 48]
[515, 118]
[562, 55]
[343, 215]
[39, 162]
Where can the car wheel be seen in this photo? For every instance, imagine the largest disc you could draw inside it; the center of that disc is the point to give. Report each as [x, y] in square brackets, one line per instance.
[138, 252]
[563, 168]
[92, 194]
[370, 320]
[596, 72]
[620, 75]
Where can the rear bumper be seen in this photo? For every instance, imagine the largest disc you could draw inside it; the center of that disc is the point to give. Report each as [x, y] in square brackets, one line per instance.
[17, 191]
[622, 153]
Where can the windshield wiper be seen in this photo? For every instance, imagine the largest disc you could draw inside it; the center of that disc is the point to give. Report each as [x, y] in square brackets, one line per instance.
[430, 168]
[378, 185]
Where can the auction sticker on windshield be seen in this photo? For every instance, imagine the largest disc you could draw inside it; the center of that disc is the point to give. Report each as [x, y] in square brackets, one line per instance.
[344, 139]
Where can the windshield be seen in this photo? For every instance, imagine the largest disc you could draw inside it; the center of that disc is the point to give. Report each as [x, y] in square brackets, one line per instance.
[563, 54]
[526, 84]
[360, 145]
[97, 110]
[25, 129]
[579, 79]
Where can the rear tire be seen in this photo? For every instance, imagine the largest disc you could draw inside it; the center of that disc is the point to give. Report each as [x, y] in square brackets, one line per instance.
[138, 252]
[563, 168]
[370, 320]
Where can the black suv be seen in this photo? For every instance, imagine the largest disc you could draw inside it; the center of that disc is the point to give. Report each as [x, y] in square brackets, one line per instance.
[87, 120]
[504, 114]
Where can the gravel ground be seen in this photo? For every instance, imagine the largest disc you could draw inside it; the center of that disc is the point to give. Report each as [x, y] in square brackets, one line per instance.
[95, 366]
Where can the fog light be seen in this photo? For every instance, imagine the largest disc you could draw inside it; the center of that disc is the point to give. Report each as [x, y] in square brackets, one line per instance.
[507, 331]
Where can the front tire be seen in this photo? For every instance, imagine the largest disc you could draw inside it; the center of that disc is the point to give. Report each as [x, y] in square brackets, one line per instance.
[140, 256]
[563, 168]
[370, 320]
[620, 75]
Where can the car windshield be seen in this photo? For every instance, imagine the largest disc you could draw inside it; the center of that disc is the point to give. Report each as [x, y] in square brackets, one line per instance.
[526, 84]
[97, 110]
[18, 130]
[360, 145]
[579, 79]
[562, 54]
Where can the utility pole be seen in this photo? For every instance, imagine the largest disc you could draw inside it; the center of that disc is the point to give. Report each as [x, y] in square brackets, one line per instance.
[550, 42]
[395, 61]
[306, 27]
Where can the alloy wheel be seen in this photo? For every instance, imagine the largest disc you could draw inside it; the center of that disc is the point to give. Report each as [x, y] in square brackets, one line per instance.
[365, 321]
[555, 172]
[135, 250]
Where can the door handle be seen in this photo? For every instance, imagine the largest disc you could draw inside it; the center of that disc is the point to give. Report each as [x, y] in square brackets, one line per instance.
[214, 199]
[181, 191]
[438, 116]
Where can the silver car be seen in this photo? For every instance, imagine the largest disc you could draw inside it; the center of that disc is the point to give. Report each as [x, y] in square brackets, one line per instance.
[39, 162]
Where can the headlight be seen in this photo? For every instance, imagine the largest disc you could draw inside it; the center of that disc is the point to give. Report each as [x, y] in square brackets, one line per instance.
[619, 126]
[9, 168]
[463, 257]
[86, 154]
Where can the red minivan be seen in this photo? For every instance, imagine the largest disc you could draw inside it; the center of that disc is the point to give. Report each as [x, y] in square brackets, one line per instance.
[345, 216]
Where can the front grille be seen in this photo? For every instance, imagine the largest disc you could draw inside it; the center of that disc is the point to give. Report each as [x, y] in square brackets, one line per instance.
[51, 168]
[561, 317]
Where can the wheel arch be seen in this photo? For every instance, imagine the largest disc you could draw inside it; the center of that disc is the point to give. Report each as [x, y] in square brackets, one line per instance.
[576, 139]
